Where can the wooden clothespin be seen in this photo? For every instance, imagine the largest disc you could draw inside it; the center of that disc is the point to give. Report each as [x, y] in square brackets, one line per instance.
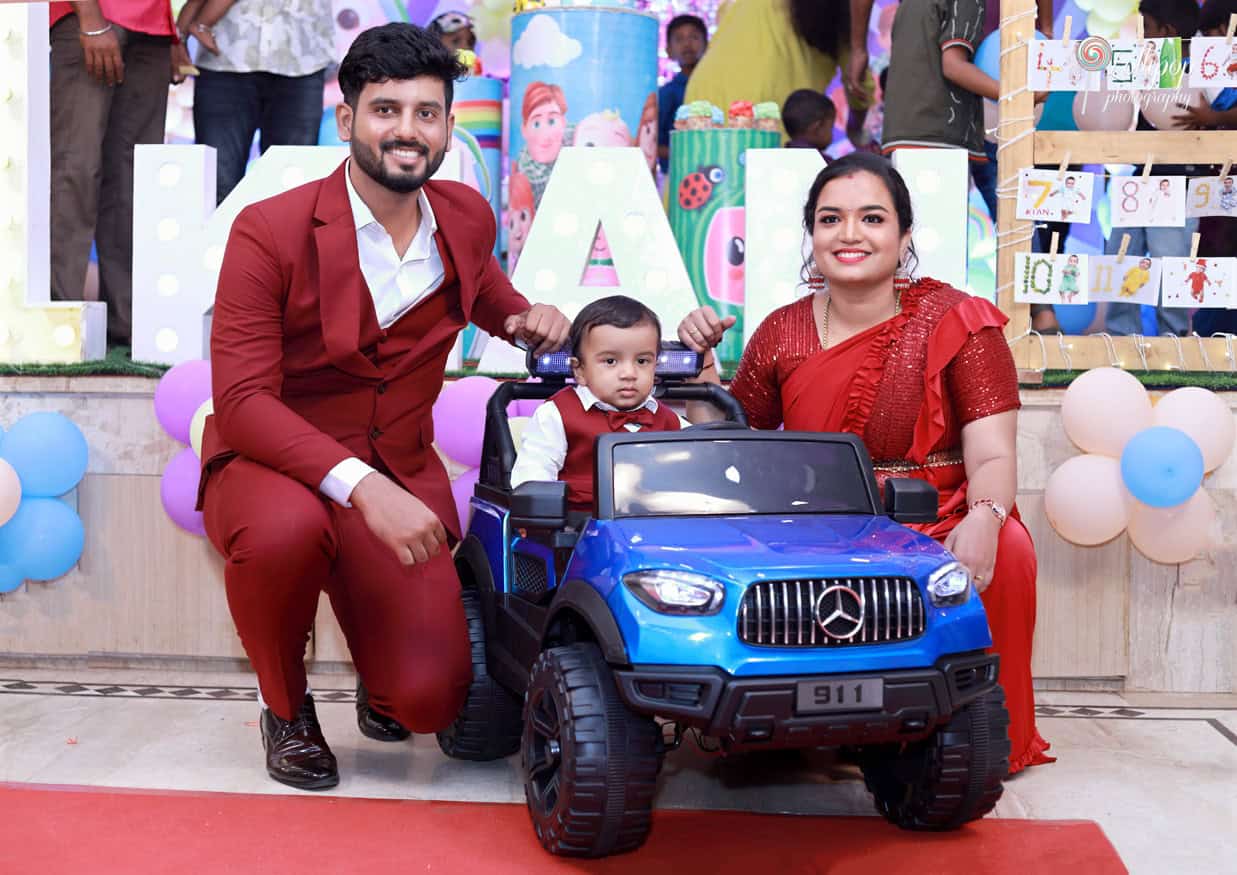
[1125, 244]
[1065, 32]
[1228, 165]
[1056, 239]
[1064, 165]
[1194, 244]
[1147, 166]
[1138, 24]
[1232, 28]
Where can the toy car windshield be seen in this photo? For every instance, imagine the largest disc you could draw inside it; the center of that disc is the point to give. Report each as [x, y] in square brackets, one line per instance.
[698, 477]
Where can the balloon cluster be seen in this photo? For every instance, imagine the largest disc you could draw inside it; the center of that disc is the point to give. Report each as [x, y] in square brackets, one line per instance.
[182, 403]
[459, 431]
[1105, 17]
[1142, 466]
[42, 456]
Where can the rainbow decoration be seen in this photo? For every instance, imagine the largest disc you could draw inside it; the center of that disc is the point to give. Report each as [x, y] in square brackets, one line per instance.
[478, 109]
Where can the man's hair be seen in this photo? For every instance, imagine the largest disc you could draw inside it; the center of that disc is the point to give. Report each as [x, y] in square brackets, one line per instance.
[619, 311]
[397, 51]
[1214, 14]
[804, 108]
[1179, 16]
[542, 92]
[687, 21]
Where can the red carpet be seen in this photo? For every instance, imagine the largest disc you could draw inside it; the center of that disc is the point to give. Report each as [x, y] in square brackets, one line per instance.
[52, 830]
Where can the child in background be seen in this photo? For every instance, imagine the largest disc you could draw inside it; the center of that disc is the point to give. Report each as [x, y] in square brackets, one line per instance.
[1161, 18]
[809, 117]
[687, 37]
[454, 30]
[614, 343]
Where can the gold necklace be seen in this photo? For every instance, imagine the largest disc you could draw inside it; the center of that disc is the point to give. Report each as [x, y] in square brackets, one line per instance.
[824, 322]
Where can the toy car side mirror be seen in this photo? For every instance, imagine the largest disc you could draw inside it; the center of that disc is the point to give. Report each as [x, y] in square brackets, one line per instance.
[539, 505]
[910, 500]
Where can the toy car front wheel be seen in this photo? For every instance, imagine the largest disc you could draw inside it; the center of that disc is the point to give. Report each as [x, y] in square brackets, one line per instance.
[949, 778]
[488, 726]
[590, 764]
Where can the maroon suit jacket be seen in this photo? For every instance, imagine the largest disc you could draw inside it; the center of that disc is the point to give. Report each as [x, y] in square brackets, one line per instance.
[303, 377]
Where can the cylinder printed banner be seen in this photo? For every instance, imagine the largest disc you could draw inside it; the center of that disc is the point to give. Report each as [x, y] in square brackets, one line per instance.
[707, 183]
[579, 77]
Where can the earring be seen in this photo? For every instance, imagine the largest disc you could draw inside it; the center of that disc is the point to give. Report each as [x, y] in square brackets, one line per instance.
[815, 279]
[901, 279]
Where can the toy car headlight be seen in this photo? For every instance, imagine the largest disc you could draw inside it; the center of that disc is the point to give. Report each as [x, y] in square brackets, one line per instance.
[676, 592]
[949, 585]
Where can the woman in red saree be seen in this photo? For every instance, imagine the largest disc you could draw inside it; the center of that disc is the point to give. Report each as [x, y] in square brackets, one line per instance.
[922, 373]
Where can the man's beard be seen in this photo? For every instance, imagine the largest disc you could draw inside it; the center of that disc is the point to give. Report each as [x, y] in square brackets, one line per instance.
[400, 183]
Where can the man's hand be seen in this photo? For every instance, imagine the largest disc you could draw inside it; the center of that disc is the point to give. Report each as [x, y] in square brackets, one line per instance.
[102, 54]
[542, 326]
[856, 68]
[399, 519]
[180, 61]
[702, 329]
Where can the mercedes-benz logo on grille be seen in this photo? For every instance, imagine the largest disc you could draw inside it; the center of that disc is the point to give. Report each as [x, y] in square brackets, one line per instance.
[839, 612]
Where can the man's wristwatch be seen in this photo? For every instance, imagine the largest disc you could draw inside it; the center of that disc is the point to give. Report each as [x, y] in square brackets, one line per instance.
[998, 509]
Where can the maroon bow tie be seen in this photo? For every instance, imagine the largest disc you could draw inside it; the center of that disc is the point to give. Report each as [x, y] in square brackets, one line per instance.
[641, 416]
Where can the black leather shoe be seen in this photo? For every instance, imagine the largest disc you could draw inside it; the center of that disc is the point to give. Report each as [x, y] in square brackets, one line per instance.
[296, 752]
[373, 725]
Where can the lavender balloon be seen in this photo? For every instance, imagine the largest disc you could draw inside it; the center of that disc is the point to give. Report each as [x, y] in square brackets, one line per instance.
[179, 394]
[179, 491]
[462, 489]
[459, 418]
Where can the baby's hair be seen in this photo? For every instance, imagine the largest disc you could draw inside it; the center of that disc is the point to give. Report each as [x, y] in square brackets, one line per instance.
[619, 311]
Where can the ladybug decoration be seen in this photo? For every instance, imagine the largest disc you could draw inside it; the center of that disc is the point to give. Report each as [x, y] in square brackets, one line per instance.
[696, 188]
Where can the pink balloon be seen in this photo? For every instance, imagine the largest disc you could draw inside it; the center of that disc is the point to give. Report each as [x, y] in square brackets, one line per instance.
[1104, 110]
[179, 394]
[1085, 500]
[1161, 108]
[179, 490]
[10, 492]
[459, 418]
[1103, 409]
[462, 489]
[1172, 535]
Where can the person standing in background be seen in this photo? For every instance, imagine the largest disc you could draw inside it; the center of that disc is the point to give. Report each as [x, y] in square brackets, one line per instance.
[687, 38]
[110, 66]
[267, 76]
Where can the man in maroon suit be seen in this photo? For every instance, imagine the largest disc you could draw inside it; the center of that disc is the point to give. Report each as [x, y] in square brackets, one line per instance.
[338, 303]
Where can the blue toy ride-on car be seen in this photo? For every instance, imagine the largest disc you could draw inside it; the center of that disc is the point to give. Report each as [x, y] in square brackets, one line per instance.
[750, 585]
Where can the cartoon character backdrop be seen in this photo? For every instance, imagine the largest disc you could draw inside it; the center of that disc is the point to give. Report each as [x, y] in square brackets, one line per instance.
[580, 76]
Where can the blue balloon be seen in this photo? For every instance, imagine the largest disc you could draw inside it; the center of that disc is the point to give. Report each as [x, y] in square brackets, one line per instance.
[1058, 113]
[1162, 466]
[1074, 318]
[10, 578]
[43, 540]
[988, 55]
[47, 451]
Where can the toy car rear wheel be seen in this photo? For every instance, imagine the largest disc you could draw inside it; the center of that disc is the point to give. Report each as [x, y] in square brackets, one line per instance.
[949, 778]
[590, 764]
[488, 726]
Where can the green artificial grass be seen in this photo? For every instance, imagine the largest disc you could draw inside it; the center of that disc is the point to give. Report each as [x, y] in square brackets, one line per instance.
[1216, 381]
[117, 363]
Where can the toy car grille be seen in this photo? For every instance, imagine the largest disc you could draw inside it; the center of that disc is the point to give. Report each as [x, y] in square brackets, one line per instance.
[831, 612]
[530, 574]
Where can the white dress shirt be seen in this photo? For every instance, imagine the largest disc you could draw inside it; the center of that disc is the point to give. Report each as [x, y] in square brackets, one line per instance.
[543, 446]
[396, 285]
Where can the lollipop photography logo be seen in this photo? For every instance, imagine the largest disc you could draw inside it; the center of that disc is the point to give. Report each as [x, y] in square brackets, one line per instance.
[1094, 53]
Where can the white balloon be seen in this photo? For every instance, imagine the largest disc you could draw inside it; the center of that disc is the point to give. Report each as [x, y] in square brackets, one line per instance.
[1103, 409]
[1204, 416]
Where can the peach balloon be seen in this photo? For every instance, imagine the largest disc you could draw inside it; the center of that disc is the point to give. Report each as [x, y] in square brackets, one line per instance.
[1104, 110]
[1085, 501]
[10, 491]
[1162, 108]
[1203, 415]
[1103, 409]
[1172, 535]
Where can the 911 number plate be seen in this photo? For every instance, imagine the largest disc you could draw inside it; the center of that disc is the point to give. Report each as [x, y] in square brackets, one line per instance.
[852, 694]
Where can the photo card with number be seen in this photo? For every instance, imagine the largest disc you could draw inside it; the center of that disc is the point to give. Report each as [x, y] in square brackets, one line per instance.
[1052, 65]
[1213, 62]
[1147, 201]
[1212, 196]
[1132, 279]
[1040, 278]
[1198, 282]
[1146, 64]
[1050, 196]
